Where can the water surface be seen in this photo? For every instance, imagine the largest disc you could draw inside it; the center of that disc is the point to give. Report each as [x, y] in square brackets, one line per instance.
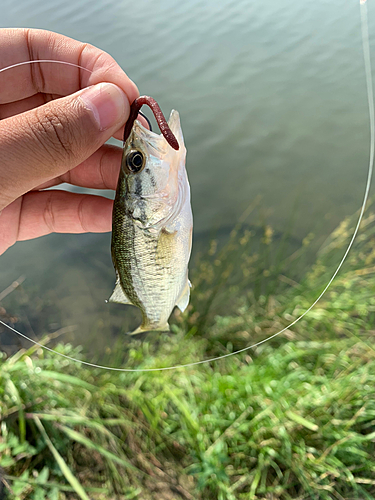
[272, 100]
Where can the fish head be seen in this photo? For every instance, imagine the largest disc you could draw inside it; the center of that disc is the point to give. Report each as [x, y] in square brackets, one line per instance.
[152, 172]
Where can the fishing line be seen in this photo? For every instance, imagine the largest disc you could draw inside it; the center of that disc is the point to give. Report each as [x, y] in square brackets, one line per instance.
[370, 98]
[23, 63]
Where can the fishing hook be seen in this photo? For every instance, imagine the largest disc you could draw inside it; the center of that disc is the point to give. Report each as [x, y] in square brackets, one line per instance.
[147, 120]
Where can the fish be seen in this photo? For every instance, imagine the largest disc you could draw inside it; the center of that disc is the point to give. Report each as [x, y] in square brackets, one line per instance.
[152, 226]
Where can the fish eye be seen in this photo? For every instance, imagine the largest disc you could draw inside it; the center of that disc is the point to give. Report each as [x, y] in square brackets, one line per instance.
[135, 161]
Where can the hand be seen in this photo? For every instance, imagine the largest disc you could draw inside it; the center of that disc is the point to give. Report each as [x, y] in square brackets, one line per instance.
[52, 131]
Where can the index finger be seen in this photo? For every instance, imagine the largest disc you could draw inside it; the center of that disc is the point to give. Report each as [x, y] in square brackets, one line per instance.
[24, 44]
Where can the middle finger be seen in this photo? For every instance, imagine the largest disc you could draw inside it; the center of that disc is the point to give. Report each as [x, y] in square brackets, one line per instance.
[99, 171]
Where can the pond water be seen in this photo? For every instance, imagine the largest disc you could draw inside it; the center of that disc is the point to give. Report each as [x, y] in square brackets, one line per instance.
[273, 103]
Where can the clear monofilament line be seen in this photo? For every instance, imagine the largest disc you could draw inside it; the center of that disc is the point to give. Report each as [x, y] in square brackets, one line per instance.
[24, 63]
[370, 97]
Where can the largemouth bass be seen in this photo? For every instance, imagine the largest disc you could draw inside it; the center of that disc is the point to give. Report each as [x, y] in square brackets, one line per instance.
[152, 226]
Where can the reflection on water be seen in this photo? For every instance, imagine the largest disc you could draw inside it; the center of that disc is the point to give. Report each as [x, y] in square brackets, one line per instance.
[272, 101]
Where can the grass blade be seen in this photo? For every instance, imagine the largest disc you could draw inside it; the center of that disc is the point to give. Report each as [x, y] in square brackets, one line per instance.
[67, 379]
[302, 421]
[61, 463]
[15, 395]
[80, 438]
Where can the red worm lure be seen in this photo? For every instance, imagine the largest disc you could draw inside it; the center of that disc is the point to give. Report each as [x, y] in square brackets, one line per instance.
[162, 122]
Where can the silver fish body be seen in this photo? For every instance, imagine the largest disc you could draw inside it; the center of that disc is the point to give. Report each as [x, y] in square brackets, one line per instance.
[152, 226]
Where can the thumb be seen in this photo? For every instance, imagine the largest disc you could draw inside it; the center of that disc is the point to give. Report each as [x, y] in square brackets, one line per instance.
[49, 140]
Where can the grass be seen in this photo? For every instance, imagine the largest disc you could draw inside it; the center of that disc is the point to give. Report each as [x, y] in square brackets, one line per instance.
[292, 419]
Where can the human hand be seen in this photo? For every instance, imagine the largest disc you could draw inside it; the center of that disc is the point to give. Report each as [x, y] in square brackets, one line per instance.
[52, 132]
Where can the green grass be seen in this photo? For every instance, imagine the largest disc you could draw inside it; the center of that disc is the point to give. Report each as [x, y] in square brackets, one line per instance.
[292, 419]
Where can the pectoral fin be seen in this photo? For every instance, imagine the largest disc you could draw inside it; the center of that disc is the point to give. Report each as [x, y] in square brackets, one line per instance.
[183, 300]
[118, 295]
[167, 247]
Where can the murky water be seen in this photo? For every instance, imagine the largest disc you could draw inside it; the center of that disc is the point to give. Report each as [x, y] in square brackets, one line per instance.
[273, 103]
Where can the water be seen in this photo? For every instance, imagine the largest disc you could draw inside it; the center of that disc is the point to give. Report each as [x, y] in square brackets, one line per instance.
[273, 103]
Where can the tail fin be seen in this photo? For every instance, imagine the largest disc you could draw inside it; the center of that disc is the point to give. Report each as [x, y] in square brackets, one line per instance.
[150, 328]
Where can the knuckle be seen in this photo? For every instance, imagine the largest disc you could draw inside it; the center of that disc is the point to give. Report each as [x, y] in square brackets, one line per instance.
[48, 214]
[54, 133]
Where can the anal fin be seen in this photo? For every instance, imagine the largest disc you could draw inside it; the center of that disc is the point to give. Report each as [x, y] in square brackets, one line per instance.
[183, 299]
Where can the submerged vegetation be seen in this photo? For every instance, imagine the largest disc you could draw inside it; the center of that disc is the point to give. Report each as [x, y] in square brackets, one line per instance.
[293, 418]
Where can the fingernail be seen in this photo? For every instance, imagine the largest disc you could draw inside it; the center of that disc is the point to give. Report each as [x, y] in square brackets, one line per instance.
[108, 104]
